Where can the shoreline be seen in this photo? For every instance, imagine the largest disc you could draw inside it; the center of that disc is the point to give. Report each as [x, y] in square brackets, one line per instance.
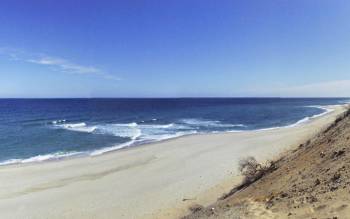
[308, 181]
[60, 156]
[150, 181]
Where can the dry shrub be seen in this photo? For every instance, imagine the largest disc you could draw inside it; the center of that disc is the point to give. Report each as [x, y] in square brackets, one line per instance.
[196, 208]
[249, 168]
[251, 171]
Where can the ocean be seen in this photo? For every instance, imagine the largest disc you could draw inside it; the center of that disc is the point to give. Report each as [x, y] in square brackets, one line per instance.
[34, 130]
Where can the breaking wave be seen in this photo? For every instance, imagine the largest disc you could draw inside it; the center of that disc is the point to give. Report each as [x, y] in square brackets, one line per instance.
[139, 133]
[41, 158]
[209, 123]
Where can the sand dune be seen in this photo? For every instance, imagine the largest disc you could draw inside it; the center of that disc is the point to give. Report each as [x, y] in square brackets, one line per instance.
[310, 181]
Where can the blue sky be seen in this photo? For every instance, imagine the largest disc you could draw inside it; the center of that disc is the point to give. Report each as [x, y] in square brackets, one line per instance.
[176, 48]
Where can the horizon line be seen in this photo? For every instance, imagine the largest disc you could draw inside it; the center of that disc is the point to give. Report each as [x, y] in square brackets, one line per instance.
[190, 97]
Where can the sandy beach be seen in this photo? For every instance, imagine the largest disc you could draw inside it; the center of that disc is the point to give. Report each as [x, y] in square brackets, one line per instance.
[310, 181]
[158, 180]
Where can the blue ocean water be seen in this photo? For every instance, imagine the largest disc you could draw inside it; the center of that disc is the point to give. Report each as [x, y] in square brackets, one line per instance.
[42, 129]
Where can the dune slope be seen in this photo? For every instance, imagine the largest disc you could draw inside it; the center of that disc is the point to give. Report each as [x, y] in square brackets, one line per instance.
[311, 181]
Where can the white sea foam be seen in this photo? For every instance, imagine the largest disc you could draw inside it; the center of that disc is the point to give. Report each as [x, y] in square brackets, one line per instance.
[156, 132]
[140, 134]
[160, 137]
[61, 155]
[129, 130]
[10, 161]
[146, 133]
[209, 123]
[57, 122]
[326, 110]
[78, 127]
[74, 125]
[112, 148]
[41, 158]
[145, 139]
[132, 130]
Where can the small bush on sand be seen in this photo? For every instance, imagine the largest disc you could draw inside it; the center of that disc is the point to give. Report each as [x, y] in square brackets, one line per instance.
[249, 168]
[196, 208]
[252, 170]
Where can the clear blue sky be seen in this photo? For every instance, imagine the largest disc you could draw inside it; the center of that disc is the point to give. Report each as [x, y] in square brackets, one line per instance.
[174, 48]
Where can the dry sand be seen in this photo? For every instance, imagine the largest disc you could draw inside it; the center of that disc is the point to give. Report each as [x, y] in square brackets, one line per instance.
[154, 181]
[310, 181]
